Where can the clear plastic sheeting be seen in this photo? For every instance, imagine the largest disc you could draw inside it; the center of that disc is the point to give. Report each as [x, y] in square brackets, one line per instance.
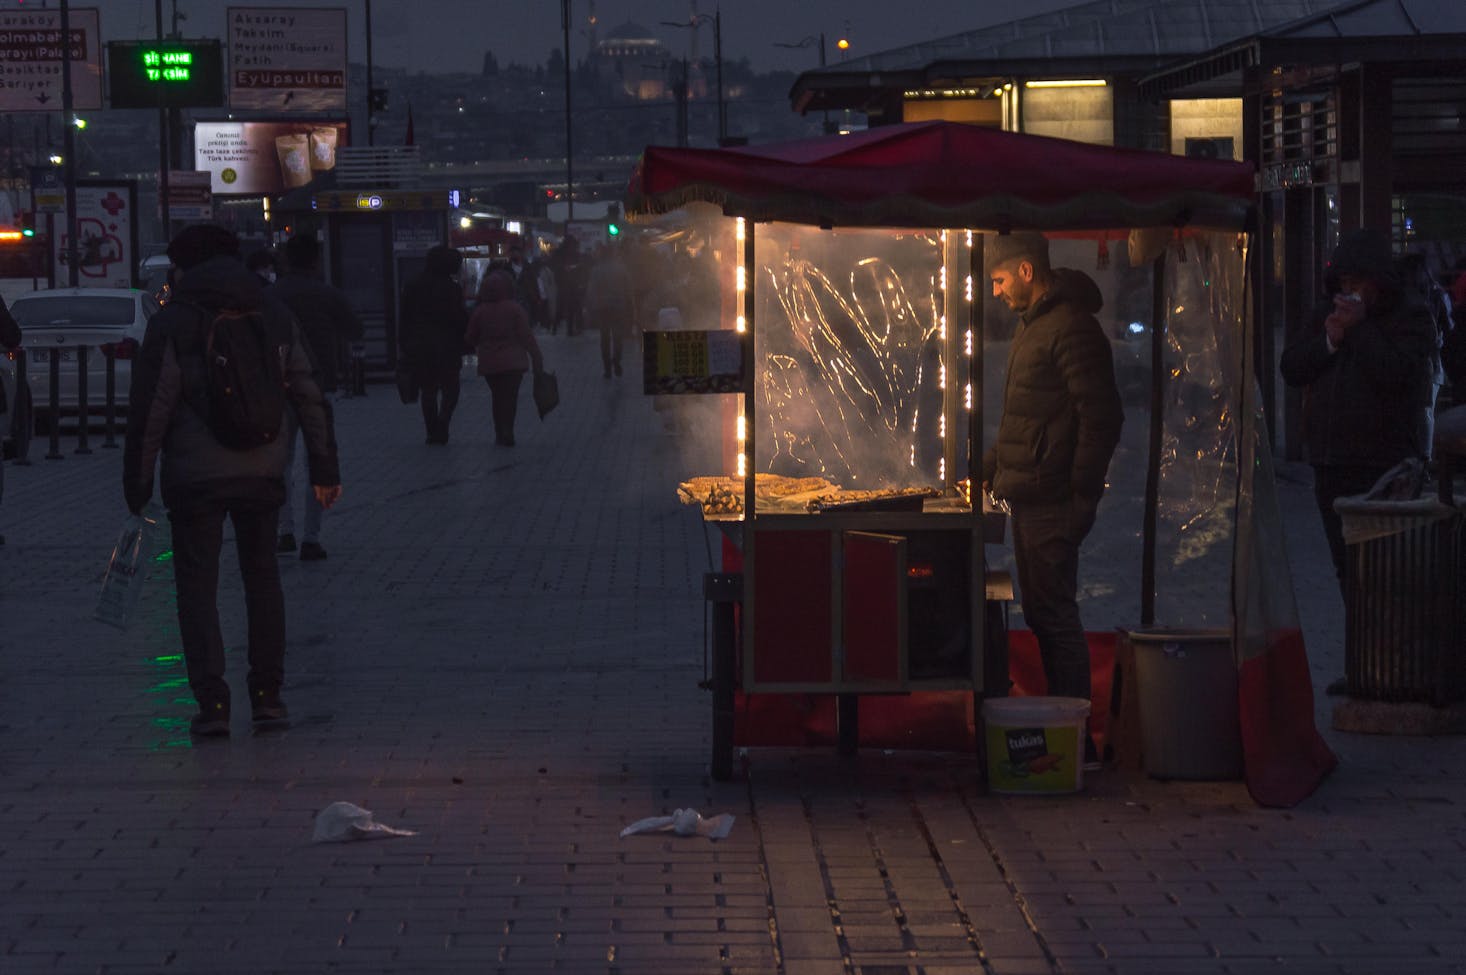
[848, 342]
[1205, 313]
[860, 340]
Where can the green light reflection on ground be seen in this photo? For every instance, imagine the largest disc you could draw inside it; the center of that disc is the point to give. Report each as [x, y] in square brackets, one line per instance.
[167, 685]
[166, 659]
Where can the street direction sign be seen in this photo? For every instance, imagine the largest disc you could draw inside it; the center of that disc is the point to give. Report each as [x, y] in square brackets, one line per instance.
[31, 58]
[287, 59]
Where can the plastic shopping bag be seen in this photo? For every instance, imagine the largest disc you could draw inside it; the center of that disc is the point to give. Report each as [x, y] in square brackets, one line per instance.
[128, 568]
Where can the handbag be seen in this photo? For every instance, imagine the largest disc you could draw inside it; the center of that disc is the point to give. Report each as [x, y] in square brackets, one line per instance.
[546, 392]
[406, 385]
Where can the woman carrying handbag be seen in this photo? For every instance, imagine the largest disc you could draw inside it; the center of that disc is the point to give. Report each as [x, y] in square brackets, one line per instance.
[499, 330]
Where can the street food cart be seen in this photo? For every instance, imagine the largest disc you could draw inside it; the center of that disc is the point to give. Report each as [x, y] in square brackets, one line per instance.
[867, 374]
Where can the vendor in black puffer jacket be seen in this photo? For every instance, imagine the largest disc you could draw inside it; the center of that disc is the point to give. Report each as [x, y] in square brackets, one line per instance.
[1061, 423]
[1365, 369]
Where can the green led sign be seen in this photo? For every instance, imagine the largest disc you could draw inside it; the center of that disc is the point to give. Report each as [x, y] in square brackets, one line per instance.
[165, 74]
[168, 67]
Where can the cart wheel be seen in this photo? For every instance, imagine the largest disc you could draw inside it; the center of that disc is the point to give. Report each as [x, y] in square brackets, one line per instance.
[847, 722]
[723, 679]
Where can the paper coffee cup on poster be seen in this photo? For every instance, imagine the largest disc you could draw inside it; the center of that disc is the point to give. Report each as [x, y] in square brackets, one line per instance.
[295, 165]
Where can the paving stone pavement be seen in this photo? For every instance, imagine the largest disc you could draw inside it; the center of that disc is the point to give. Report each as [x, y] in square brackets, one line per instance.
[502, 653]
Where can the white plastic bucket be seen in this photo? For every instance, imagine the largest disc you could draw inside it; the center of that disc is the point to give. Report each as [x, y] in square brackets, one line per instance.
[1035, 745]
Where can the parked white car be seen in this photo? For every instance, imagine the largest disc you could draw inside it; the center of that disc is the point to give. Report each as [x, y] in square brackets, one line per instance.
[103, 320]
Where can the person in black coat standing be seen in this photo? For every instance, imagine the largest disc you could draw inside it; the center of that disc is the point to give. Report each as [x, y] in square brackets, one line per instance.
[1060, 427]
[432, 322]
[9, 339]
[1363, 361]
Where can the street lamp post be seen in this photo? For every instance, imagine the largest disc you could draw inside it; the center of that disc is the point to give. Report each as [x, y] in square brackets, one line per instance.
[569, 143]
[806, 42]
[693, 22]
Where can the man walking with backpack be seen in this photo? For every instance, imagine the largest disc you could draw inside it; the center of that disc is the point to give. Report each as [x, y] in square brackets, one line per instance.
[219, 368]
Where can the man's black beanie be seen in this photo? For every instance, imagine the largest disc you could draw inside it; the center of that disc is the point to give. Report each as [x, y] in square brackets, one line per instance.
[1364, 253]
[1025, 245]
[195, 244]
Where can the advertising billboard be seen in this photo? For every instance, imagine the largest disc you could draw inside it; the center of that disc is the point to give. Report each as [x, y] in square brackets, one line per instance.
[265, 158]
[106, 236]
[30, 60]
[287, 59]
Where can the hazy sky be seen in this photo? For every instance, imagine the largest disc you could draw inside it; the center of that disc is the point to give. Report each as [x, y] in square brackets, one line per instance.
[452, 35]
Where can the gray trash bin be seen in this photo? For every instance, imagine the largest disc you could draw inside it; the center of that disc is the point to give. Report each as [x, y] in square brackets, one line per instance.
[1186, 689]
[1405, 600]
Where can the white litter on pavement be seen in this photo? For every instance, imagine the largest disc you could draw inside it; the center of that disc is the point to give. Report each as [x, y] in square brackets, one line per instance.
[341, 821]
[683, 822]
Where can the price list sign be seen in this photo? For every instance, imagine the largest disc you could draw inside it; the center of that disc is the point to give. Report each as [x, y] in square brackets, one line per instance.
[693, 361]
[287, 59]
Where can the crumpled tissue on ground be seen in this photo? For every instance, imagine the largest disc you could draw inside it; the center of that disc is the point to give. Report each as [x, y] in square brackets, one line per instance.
[683, 822]
[341, 821]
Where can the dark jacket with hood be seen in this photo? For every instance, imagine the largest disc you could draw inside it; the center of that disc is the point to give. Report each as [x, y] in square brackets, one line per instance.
[499, 330]
[168, 400]
[325, 317]
[1364, 402]
[433, 318]
[1061, 406]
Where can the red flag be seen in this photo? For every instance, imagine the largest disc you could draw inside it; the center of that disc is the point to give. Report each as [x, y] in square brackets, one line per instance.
[408, 141]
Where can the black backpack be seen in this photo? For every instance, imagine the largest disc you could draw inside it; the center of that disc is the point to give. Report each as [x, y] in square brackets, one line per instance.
[244, 378]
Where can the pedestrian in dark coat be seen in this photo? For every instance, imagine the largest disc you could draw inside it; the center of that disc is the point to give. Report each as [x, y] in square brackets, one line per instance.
[610, 306]
[432, 323]
[9, 339]
[326, 319]
[1363, 360]
[499, 331]
[1060, 426]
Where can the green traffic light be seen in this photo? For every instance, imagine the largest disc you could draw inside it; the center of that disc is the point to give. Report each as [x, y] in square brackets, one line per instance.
[613, 230]
[27, 231]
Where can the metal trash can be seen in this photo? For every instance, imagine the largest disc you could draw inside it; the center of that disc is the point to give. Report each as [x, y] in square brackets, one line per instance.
[1186, 689]
[1405, 600]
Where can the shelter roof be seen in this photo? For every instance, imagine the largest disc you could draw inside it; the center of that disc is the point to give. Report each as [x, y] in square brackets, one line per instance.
[1098, 37]
[1410, 31]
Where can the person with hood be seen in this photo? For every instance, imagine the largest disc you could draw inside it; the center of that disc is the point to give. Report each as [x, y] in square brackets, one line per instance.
[205, 481]
[499, 330]
[433, 321]
[1060, 426]
[1363, 359]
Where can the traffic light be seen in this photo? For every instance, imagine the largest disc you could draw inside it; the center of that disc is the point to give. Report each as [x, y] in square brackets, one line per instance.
[613, 220]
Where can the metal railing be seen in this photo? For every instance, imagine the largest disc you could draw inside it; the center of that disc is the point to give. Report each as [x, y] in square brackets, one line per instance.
[24, 423]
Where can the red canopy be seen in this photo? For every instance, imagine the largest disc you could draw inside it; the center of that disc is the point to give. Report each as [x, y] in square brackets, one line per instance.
[946, 174]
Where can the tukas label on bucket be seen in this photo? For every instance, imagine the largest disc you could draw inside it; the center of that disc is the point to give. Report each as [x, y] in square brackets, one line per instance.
[1028, 751]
